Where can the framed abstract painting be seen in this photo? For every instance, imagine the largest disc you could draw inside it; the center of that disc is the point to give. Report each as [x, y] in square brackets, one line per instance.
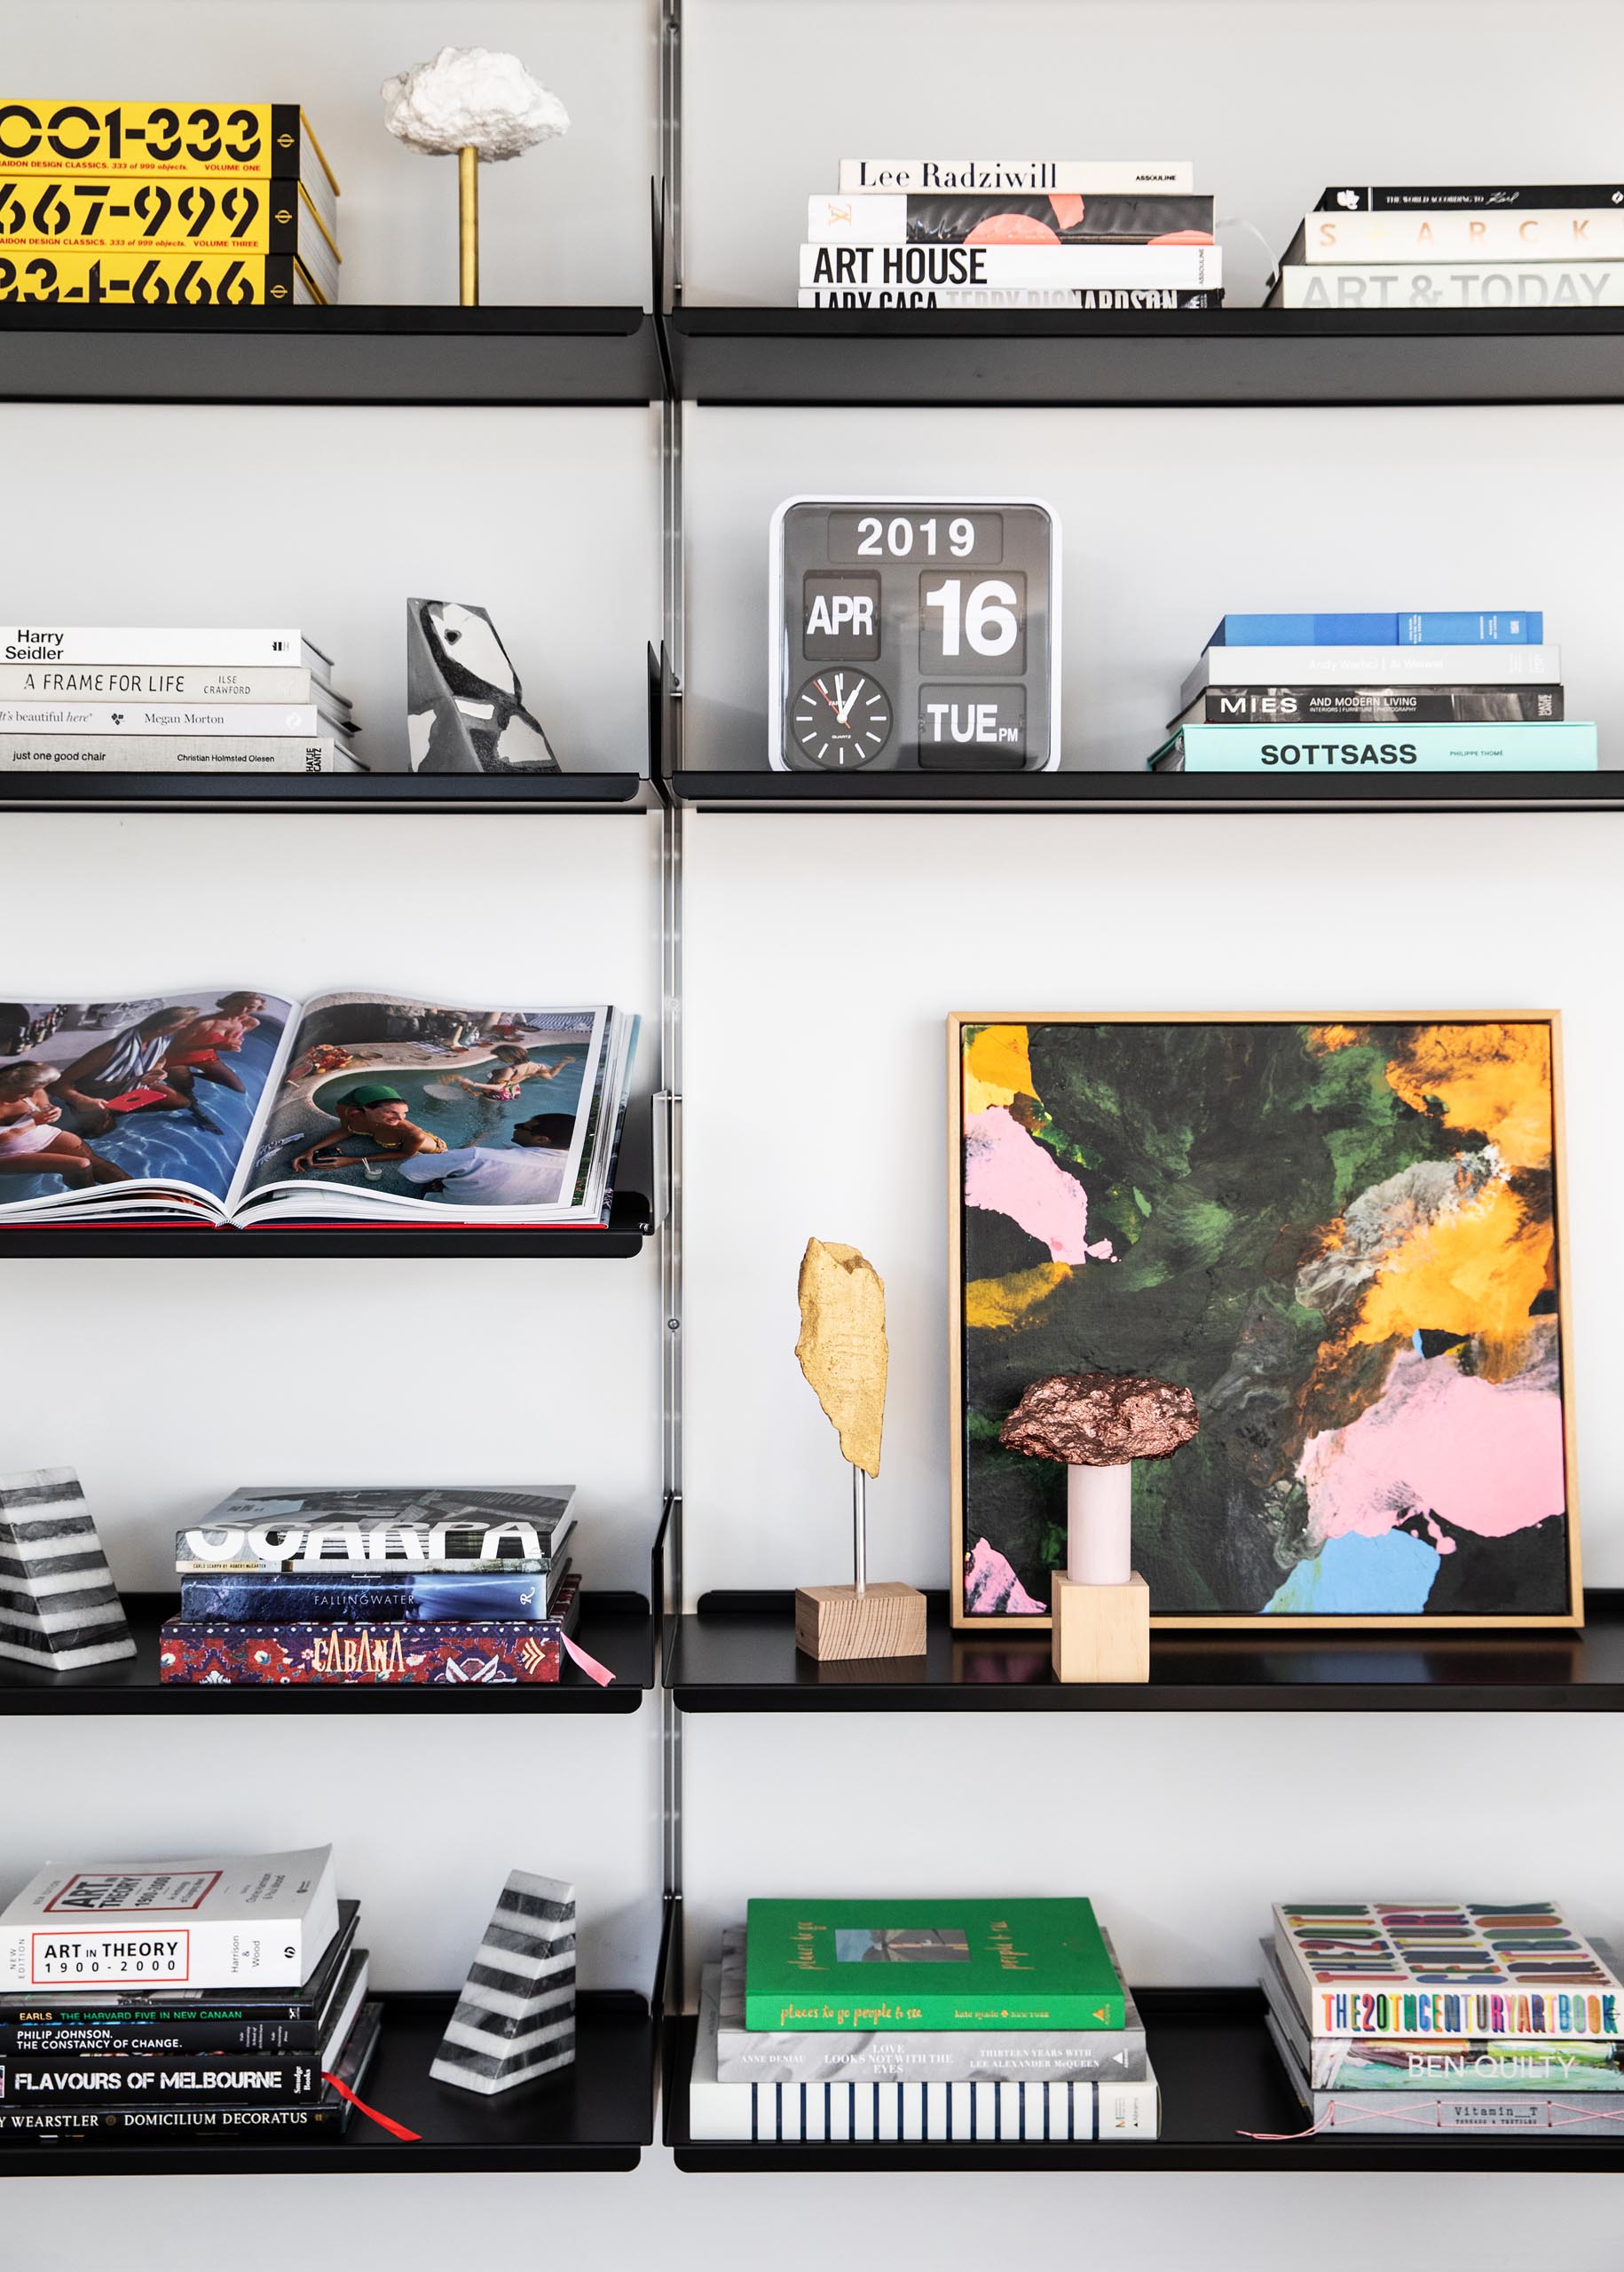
[1343, 1234]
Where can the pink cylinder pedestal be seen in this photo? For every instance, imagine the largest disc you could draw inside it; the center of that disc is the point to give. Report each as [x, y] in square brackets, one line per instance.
[1100, 1525]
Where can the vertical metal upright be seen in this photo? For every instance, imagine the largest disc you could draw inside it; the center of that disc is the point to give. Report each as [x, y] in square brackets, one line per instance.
[673, 599]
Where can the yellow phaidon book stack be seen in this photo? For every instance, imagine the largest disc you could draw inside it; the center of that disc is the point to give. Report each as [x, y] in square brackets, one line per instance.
[177, 204]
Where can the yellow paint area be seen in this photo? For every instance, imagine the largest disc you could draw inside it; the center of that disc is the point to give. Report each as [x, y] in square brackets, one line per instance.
[993, 1302]
[1325, 1040]
[998, 1067]
[1492, 1079]
[1476, 1272]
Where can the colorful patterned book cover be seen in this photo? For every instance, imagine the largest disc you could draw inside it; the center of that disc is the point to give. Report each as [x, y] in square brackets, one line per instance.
[389, 1655]
[856, 1966]
[1482, 1969]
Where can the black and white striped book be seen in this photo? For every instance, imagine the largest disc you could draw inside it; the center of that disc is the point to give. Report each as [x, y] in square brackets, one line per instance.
[58, 1607]
[984, 2113]
[515, 2020]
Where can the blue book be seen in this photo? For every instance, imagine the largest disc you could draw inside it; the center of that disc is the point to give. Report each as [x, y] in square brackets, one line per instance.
[1496, 627]
[1329, 753]
[420, 1597]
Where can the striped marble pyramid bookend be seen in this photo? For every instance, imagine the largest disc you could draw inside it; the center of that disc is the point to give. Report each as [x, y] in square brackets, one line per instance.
[58, 1607]
[515, 2020]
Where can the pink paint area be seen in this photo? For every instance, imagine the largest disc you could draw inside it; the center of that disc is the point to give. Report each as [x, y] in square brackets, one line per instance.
[1481, 1456]
[1008, 1172]
[992, 1588]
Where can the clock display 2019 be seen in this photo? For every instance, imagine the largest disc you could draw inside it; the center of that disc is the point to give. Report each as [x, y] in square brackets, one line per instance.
[914, 634]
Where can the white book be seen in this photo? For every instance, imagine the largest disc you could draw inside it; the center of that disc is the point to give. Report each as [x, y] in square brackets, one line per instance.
[258, 1920]
[1491, 666]
[1449, 284]
[1023, 267]
[986, 296]
[171, 683]
[59, 752]
[1020, 177]
[46, 715]
[1576, 233]
[76, 644]
[959, 2113]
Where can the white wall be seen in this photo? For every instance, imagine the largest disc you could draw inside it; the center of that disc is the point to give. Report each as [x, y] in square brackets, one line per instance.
[823, 955]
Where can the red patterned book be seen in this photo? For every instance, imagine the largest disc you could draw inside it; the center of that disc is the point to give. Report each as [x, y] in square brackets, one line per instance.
[486, 1652]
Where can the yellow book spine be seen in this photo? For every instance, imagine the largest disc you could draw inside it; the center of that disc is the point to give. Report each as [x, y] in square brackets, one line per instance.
[199, 215]
[257, 141]
[136, 278]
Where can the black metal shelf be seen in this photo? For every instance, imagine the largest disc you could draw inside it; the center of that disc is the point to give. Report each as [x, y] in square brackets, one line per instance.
[598, 2116]
[617, 1628]
[1231, 358]
[307, 792]
[1220, 2077]
[485, 357]
[630, 1222]
[738, 1655]
[1144, 792]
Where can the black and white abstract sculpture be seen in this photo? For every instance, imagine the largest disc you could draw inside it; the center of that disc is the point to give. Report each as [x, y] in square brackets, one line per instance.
[465, 707]
[58, 1607]
[515, 2020]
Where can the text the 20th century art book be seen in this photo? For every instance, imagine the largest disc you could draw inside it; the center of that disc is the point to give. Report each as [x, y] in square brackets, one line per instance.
[255, 1919]
[361, 1108]
[864, 1965]
[1447, 1969]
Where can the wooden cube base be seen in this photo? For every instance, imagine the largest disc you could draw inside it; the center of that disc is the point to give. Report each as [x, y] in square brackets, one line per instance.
[838, 1621]
[1101, 1632]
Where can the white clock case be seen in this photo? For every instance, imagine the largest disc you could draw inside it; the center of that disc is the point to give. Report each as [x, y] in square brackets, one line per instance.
[776, 653]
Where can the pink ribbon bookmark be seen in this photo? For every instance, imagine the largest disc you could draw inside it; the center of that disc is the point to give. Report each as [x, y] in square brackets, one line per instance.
[589, 1665]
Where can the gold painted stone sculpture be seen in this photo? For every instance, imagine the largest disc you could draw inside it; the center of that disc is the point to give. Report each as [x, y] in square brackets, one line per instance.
[842, 1352]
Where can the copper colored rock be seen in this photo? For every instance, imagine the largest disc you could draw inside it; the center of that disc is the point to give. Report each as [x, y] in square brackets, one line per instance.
[1100, 1419]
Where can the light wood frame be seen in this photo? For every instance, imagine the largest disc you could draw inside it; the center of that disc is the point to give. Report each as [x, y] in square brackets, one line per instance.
[1258, 1622]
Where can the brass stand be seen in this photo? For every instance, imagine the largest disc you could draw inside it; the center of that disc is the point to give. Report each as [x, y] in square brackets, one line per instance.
[468, 225]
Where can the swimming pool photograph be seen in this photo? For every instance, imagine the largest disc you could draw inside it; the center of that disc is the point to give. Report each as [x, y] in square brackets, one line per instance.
[162, 1087]
[373, 1081]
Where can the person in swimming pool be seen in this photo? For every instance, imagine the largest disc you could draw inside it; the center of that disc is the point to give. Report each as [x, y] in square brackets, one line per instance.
[517, 1066]
[196, 1051]
[31, 1142]
[129, 1074]
[527, 1172]
[377, 1115]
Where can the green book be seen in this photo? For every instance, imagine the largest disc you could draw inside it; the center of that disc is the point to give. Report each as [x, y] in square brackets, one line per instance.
[1331, 753]
[833, 1967]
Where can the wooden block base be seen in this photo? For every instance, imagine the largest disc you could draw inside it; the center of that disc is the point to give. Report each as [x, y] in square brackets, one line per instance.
[838, 1621]
[1101, 1632]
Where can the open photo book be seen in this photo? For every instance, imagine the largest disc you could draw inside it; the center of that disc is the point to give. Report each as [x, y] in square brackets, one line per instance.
[247, 1107]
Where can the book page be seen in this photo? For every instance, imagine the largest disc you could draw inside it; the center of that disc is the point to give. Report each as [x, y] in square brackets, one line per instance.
[103, 1100]
[383, 1097]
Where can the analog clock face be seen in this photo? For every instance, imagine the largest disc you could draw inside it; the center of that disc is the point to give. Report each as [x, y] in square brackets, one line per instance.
[842, 717]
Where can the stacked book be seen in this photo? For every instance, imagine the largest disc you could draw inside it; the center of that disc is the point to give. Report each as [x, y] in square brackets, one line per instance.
[114, 701]
[155, 205]
[1408, 2018]
[1315, 698]
[223, 1998]
[954, 2021]
[1013, 233]
[444, 1589]
[1488, 246]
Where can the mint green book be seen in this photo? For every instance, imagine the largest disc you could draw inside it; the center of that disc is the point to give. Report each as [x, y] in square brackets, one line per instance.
[831, 1966]
[1332, 753]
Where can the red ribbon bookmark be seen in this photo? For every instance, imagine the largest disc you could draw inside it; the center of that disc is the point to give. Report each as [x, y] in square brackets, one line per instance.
[395, 2129]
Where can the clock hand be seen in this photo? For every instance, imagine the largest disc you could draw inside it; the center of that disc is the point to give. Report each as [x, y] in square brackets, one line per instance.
[844, 713]
[828, 697]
